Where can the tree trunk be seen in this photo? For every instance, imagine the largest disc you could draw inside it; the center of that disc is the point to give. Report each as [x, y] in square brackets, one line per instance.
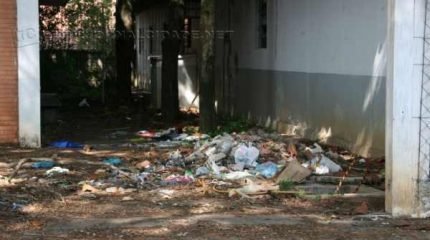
[170, 51]
[124, 45]
[207, 78]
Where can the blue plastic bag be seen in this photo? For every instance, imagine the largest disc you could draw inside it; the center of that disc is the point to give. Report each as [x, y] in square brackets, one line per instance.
[66, 144]
[43, 165]
[114, 161]
[268, 169]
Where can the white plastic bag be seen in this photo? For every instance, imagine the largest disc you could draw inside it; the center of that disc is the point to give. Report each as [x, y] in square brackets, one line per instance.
[247, 155]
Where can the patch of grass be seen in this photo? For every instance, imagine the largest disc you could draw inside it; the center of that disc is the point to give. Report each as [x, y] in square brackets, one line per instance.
[231, 125]
[286, 185]
[301, 194]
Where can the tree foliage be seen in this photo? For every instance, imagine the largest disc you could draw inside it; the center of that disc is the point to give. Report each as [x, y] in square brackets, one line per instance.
[80, 24]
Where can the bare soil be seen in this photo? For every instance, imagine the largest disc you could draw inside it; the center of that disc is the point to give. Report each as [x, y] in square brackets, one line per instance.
[35, 206]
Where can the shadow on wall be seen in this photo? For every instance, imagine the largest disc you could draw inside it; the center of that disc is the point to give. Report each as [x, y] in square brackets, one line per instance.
[188, 81]
[340, 109]
[364, 140]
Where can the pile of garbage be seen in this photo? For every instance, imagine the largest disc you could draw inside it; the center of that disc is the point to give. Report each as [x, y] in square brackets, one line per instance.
[257, 161]
[224, 158]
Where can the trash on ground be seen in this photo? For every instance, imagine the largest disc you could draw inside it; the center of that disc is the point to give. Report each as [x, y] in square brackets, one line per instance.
[202, 171]
[114, 161]
[294, 172]
[168, 134]
[177, 179]
[247, 155]
[244, 165]
[237, 175]
[57, 171]
[267, 169]
[322, 165]
[43, 165]
[252, 188]
[66, 144]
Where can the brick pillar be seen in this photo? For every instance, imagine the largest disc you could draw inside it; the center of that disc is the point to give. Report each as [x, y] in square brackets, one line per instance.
[8, 73]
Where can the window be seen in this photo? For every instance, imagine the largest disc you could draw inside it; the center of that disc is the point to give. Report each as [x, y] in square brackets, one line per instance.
[262, 23]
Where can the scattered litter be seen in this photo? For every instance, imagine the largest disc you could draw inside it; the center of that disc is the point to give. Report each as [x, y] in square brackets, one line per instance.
[144, 165]
[127, 199]
[166, 193]
[217, 157]
[322, 165]
[247, 155]
[294, 172]
[176, 179]
[146, 134]
[316, 150]
[115, 190]
[66, 144]
[17, 207]
[84, 103]
[267, 169]
[43, 165]
[89, 188]
[169, 134]
[236, 164]
[114, 161]
[142, 178]
[252, 188]
[57, 171]
[202, 171]
[237, 175]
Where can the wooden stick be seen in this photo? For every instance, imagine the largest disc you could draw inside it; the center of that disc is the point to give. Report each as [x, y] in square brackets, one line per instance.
[18, 166]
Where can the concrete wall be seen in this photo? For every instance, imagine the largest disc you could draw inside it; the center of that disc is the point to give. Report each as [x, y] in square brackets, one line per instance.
[321, 76]
[408, 133]
[8, 73]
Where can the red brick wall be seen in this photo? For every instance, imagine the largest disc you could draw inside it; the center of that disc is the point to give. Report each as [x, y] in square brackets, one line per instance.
[8, 73]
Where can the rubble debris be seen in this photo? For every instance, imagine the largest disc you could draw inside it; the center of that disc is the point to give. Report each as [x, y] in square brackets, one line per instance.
[294, 172]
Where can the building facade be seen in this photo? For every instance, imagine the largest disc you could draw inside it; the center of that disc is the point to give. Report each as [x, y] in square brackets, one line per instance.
[316, 69]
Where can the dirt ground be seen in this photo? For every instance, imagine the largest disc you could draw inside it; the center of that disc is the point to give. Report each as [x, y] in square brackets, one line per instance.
[36, 206]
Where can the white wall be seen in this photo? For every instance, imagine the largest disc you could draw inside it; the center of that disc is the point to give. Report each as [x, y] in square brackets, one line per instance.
[29, 73]
[313, 36]
[322, 74]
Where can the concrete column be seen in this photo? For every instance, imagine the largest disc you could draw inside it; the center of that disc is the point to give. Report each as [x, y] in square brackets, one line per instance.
[29, 73]
[404, 84]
